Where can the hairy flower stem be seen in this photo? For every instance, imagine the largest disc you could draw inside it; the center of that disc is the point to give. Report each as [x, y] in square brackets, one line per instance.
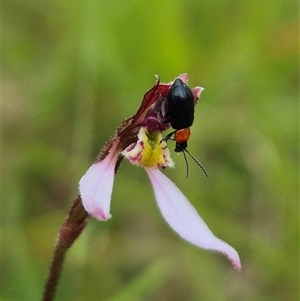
[70, 230]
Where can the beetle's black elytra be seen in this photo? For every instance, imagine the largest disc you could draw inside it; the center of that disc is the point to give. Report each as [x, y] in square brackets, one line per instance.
[181, 105]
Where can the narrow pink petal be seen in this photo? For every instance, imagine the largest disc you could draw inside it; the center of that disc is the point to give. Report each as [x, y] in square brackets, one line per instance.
[184, 219]
[96, 186]
[197, 92]
[184, 77]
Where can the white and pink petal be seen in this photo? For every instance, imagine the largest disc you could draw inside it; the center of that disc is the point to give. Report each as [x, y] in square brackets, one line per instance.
[96, 186]
[184, 219]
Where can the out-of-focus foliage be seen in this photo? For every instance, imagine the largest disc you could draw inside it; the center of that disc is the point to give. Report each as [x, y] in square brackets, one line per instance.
[73, 70]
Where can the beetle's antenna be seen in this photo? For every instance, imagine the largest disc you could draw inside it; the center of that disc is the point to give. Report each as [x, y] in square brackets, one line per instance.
[186, 163]
[197, 162]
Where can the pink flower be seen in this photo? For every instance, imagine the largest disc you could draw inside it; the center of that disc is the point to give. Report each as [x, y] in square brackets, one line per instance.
[139, 139]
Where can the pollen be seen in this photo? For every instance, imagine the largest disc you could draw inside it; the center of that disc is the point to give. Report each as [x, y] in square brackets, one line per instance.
[149, 151]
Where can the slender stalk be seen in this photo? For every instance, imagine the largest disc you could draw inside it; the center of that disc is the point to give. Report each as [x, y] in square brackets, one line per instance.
[70, 230]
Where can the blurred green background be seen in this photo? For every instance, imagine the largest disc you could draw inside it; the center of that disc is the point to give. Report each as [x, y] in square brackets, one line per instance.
[73, 70]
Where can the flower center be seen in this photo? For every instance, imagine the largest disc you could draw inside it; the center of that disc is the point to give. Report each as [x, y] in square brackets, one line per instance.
[149, 150]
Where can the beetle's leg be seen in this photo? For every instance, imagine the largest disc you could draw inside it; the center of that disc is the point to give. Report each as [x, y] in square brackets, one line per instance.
[168, 137]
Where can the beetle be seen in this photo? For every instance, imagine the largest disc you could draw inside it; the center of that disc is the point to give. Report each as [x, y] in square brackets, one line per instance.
[180, 112]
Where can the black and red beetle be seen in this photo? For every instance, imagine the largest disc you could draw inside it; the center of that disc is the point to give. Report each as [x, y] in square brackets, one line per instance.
[180, 113]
